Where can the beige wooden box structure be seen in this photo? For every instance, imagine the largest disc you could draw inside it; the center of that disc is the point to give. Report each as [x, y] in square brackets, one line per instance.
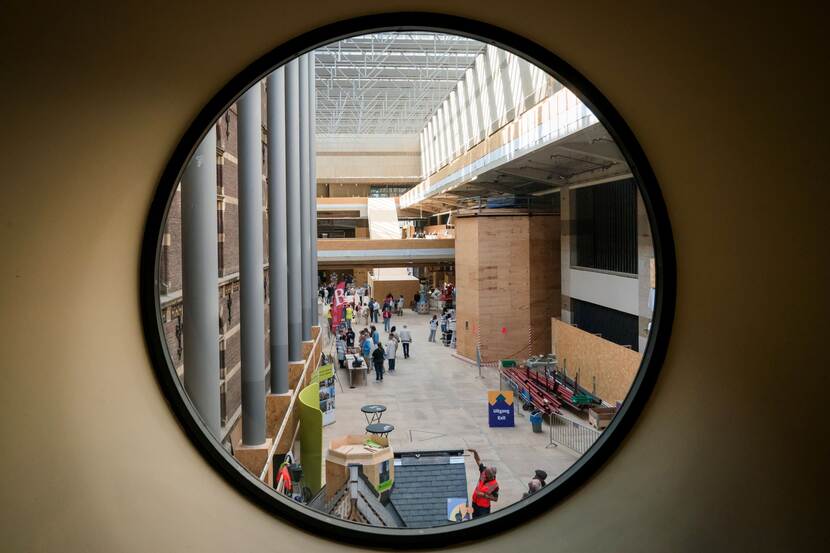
[350, 450]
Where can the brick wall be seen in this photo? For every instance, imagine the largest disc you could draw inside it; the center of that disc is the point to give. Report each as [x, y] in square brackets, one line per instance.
[171, 252]
[230, 244]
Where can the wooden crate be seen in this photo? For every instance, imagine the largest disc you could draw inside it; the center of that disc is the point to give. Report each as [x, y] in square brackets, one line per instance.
[600, 417]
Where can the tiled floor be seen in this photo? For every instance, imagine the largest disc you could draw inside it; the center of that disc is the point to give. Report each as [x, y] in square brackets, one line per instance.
[436, 401]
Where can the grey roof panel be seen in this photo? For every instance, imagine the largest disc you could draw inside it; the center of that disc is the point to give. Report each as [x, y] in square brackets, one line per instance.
[422, 487]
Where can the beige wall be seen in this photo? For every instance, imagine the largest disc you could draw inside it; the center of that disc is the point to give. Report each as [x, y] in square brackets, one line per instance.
[510, 282]
[368, 158]
[725, 104]
[406, 288]
[339, 244]
[342, 190]
[545, 277]
[361, 276]
[467, 294]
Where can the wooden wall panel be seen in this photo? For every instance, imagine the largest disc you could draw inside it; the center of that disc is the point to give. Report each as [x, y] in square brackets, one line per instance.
[613, 366]
[504, 287]
[508, 278]
[545, 279]
[406, 288]
[361, 276]
[466, 273]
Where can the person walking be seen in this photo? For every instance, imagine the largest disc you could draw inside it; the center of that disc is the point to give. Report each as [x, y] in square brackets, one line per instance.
[328, 318]
[391, 351]
[406, 339]
[372, 314]
[375, 334]
[377, 359]
[350, 338]
[487, 489]
[366, 347]
[433, 327]
[387, 317]
[365, 312]
[340, 346]
[349, 315]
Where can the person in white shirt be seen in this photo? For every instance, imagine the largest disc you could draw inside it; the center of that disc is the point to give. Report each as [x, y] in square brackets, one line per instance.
[433, 327]
[406, 339]
[391, 350]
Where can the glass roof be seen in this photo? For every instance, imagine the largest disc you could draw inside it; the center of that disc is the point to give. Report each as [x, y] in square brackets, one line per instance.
[388, 83]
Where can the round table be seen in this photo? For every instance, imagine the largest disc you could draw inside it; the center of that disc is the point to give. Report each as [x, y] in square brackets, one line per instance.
[381, 429]
[373, 412]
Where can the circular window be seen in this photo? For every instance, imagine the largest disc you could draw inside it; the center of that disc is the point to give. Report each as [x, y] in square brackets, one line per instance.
[407, 279]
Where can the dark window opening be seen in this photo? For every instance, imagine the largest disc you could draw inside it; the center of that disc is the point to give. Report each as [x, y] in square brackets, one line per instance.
[605, 219]
[388, 191]
[615, 326]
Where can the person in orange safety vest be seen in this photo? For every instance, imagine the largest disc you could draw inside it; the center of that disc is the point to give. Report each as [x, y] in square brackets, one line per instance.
[285, 477]
[487, 489]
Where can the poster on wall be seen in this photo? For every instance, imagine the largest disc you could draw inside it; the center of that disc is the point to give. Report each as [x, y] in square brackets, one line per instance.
[500, 407]
[338, 304]
[326, 383]
[458, 509]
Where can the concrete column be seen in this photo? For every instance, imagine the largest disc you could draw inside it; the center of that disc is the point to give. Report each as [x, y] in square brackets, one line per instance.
[277, 242]
[200, 282]
[566, 229]
[305, 202]
[312, 177]
[452, 125]
[479, 77]
[292, 194]
[423, 154]
[506, 91]
[442, 136]
[468, 106]
[646, 273]
[433, 145]
[492, 114]
[526, 82]
[252, 329]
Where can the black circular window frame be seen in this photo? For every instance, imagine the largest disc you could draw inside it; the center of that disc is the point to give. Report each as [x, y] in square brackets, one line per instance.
[509, 517]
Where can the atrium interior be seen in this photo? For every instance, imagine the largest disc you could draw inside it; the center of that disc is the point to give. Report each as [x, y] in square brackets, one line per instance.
[433, 273]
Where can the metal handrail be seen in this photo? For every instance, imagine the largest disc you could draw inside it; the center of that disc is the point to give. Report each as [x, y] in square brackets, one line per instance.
[571, 434]
[311, 355]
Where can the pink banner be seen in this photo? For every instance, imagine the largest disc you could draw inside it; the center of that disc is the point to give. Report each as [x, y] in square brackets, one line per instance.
[338, 304]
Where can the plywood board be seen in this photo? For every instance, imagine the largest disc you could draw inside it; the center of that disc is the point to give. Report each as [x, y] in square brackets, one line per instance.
[466, 275]
[613, 366]
[397, 286]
